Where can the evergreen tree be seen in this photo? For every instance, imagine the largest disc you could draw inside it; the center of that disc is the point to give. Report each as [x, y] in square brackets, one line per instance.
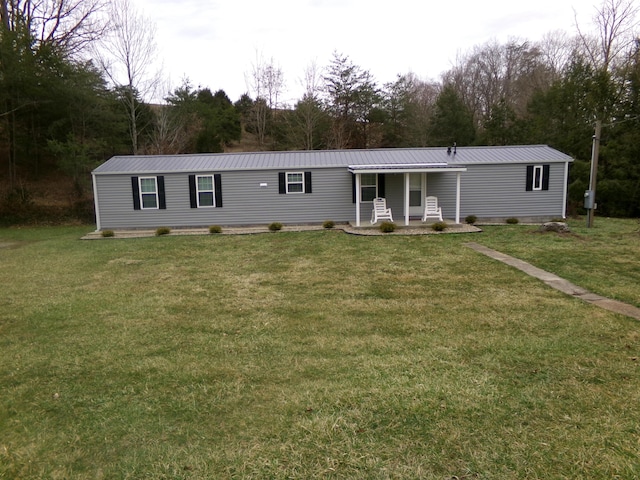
[210, 121]
[352, 101]
[502, 127]
[220, 121]
[452, 122]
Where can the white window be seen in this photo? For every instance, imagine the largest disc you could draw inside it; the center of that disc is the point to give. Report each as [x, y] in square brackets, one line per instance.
[148, 192]
[295, 182]
[205, 191]
[537, 177]
[415, 190]
[368, 186]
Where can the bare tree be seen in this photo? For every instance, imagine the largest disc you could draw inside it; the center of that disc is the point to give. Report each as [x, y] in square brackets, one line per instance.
[617, 32]
[266, 83]
[309, 109]
[496, 73]
[169, 134]
[69, 26]
[556, 49]
[126, 56]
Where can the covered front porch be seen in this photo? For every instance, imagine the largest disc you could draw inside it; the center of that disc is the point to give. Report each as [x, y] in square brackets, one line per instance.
[406, 186]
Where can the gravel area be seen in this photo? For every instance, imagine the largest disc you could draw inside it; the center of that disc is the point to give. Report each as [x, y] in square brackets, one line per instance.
[413, 229]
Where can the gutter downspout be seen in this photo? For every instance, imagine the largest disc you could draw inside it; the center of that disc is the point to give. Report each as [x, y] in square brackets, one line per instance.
[96, 203]
[566, 189]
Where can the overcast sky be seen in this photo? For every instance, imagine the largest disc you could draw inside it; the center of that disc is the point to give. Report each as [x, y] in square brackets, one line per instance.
[215, 42]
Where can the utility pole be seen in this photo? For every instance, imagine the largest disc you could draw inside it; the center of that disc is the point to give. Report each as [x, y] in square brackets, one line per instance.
[591, 193]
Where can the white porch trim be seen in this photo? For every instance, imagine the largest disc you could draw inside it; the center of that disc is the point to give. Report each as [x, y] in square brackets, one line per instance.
[358, 198]
[457, 198]
[407, 188]
[406, 169]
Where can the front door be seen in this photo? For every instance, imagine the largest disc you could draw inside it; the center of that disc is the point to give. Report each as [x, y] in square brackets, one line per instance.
[417, 193]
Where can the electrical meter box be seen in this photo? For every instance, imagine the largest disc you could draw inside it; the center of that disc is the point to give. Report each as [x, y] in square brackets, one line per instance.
[589, 198]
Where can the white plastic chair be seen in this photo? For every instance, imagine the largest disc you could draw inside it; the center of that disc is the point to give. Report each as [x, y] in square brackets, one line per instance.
[431, 209]
[380, 211]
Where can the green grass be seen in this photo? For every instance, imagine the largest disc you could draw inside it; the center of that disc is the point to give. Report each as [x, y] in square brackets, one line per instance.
[604, 259]
[316, 355]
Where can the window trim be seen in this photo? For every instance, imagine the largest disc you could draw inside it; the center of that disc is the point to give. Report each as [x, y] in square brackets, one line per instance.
[194, 200]
[538, 177]
[284, 183]
[155, 193]
[212, 191]
[538, 174]
[362, 186]
[289, 183]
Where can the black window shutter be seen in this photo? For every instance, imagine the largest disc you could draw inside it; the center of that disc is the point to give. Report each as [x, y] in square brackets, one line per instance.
[217, 181]
[135, 187]
[381, 190]
[307, 182]
[545, 177]
[282, 183]
[529, 178]
[353, 188]
[162, 199]
[192, 191]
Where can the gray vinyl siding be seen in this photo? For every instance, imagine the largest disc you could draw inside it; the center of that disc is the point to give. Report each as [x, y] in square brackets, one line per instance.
[487, 191]
[492, 191]
[244, 201]
[394, 191]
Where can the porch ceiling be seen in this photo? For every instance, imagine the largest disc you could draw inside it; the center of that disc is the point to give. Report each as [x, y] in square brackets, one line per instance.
[405, 168]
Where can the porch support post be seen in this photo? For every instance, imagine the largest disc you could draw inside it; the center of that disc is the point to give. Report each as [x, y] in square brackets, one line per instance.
[407, 186]
[358, 182]
[457, 197]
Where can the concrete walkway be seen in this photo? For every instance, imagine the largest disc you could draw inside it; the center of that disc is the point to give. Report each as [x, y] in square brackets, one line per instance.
[559, 283]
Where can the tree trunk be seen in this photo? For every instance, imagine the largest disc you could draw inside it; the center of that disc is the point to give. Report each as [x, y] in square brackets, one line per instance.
[4, 13]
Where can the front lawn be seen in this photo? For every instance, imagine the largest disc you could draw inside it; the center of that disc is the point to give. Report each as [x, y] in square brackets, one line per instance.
[317, 355]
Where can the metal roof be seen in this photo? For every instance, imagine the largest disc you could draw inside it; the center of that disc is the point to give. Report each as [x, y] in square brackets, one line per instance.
[375, 158]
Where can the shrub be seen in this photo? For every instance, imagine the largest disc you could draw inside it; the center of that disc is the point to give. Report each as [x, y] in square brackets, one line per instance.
[512, 221]
[163, 231]
[215, 229]
[471, 219]
[329, 224]
[108, 233]
[439, 226]
[387, 227]
[275, 226]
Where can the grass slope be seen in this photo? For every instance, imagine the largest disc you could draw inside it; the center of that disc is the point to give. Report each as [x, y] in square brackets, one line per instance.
[315, 355]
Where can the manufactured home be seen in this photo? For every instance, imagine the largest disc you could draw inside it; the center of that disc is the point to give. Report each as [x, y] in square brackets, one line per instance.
[307, 187]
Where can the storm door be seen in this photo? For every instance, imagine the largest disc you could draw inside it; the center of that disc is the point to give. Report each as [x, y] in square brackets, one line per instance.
[417, 193]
